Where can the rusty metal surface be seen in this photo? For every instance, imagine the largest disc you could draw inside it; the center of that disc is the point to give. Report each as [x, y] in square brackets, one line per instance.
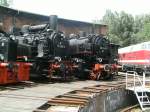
[80, 97]
[85, 97]
[30, 96]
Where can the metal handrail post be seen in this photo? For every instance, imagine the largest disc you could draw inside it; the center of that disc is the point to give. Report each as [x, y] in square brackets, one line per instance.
[134, 80]
[126, 80]
[143, 85]
[144, 79]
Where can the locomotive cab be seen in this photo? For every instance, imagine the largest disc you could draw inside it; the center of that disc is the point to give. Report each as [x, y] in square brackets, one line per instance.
[8, 50]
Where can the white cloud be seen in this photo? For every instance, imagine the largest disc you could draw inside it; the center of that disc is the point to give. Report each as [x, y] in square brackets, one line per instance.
[84, 10]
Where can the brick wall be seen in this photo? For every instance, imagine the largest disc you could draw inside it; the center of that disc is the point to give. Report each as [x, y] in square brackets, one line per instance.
[11, 17]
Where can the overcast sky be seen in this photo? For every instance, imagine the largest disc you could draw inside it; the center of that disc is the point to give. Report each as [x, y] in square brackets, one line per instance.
[83, 10]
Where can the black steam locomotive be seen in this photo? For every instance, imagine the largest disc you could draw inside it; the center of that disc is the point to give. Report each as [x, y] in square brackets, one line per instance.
[12, 70]
[55, 55]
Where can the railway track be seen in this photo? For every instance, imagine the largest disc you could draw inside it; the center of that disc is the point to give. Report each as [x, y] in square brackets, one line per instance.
[79, 98]
[82, 97]
[20, 85]
[133, 108]
[29, 84]
[74, 94]
[34, 83]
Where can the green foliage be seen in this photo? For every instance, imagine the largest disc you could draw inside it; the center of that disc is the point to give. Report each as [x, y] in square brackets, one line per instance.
[144, 34]
[124, 29]
[5, 3]
[120, 27]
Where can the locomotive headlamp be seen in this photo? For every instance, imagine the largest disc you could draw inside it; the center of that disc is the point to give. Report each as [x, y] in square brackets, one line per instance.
[99, 60]
[58, 59]
[77, 60]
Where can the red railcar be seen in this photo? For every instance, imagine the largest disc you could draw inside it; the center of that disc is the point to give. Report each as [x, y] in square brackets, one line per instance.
[136, 57]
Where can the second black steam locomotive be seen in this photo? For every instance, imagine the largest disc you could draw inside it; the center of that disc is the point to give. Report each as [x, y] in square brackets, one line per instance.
[55, 55]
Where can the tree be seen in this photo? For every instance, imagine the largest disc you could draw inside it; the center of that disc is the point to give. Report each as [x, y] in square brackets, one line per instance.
[144, 33]
[120, 27]
[143, 26]
[124, 29]
[112, 20]
[6, 3]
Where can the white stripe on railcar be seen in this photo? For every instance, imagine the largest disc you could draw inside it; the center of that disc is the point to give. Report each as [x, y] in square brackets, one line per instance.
[134, 61]
[136, 47]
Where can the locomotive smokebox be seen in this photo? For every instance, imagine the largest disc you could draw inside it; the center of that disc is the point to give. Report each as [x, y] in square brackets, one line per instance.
[53, 19]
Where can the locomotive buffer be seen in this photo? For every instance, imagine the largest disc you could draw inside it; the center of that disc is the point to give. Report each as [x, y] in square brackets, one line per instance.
[137, 84]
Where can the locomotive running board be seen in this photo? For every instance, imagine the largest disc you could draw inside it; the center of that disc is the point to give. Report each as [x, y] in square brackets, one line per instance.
[138, 86]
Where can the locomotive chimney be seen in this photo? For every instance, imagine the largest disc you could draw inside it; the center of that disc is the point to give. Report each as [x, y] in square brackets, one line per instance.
[53, 19]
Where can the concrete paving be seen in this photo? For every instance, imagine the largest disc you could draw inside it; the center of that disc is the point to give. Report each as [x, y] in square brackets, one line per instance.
[28, 99]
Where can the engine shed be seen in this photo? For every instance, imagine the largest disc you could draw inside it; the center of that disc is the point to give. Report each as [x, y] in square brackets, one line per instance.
[12, 18]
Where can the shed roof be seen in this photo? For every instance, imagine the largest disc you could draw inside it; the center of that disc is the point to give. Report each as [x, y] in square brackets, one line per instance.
[16, 12]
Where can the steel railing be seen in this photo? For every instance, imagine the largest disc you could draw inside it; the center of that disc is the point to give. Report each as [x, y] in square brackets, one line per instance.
[136, 79]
